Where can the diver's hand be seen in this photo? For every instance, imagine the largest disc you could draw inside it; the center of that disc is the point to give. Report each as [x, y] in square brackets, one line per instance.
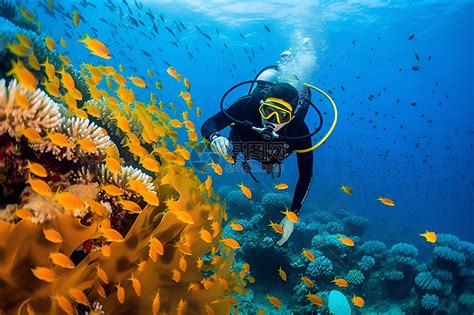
[287, 226]
[219, 145]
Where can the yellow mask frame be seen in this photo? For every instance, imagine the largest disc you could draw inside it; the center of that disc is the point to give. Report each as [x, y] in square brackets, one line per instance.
[280, 106]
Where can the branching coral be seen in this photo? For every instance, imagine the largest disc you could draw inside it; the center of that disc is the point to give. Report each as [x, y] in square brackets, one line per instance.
[355, 225]
[426, 281]
[355, 277]
[273, 203]
[393, 275]
[320, 267]
[373, 248]
[429, 301]
[42, 114]
[366, 263]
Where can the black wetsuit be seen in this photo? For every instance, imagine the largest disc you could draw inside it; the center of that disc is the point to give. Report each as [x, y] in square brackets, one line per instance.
[250, 143]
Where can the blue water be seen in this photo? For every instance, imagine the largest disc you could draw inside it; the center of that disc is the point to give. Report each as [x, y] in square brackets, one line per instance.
[419, 156]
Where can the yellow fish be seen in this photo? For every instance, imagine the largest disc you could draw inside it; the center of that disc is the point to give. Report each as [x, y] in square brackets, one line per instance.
[18, 49]
[316, 300]
[58, 139]
[61, 260]
[231, 242]
[138, 82]
[276, 227]
[290, 215]
[281, 186]
[96, 47]
[346, 189]
[24, 40]
[27, 14]
[282, 274]
[345, 240]
[186, 84]
[216, 168]
[39, 186]
[429, 236]
[358, 301]
[45, 274]
[274, 300]
[52, 235]
[172, 72]
[76, 18]
[340, 282]
[36, 169]
[307, 281]
[23, 75]
[247, 192]
[49, 43]
[386, 201]
[78, 296]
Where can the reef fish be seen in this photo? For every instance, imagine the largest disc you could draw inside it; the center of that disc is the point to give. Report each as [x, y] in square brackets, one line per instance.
[386, 201]
[345, 240]
[358, 301]
[172, 72]
[316, 300]
[281, 186]
[290, 215]
[308, 254]
[96, 47]
[247, 192]
[346, 189]
[429, 236]
[340, 282]
[282, 274]
[274, 300]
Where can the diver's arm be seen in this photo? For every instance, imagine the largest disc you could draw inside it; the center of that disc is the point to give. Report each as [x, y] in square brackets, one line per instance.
[305, 176]
[219, 121]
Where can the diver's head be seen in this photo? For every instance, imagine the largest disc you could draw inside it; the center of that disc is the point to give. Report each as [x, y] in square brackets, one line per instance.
[278, 105]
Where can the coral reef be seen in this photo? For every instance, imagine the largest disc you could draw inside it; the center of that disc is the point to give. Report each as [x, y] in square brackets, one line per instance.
[429, 302]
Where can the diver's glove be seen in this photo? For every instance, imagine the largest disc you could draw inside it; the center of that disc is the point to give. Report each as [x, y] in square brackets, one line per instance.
[219, 145]
[287, 226]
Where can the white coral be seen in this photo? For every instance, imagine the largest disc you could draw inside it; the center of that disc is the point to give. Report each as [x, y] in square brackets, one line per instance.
[43, 114]
[126, 173]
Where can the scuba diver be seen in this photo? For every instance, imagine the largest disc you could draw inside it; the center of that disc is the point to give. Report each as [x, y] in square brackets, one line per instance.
[267, 125]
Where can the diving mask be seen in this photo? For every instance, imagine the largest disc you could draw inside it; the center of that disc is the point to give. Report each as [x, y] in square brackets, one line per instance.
[276, 111]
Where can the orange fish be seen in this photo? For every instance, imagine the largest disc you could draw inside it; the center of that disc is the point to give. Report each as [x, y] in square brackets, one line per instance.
[120, 293]
[31, 134]
[61, 260]
[429, 236]
[112, 235]
[69, 201]
[186, 84]
[216, 168]
[78, 296]
[36, 169]
[172, 72]
[281, 186]
[45, 274]
[290, 215]
[52, 235]
[23, 75]
[58, 139]
[27, 14]
[176, 275]
[112, 190]
[156, 245]
[113, 165]
[346, 189]
[274, 300]
[247, 192]
[316, 300]
[307, 281]
[138, 81]
[236, 226]
[276, 227]
[282, 274]
[358, 301]
[102, 275]
[39, 186]
[231, 242]
[156, 303]
[340, 282]
[106, 250]
[205, 235]
[345, 240]
[136, 285]
[308, 254]
[96, 47]
[64, 304]
[386, 201]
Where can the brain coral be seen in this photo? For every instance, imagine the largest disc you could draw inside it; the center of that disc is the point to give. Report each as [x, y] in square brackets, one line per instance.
[355, 277]
[425, 281]
[355, 225]
[320, 267]
[366, 263]
[373, 248]
[429, 301]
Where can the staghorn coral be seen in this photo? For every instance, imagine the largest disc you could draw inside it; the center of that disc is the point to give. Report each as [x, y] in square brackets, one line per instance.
[320, 267]
[425, 281]
[355, 277]
[366, 263]
[43, 114]
[429, 301]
